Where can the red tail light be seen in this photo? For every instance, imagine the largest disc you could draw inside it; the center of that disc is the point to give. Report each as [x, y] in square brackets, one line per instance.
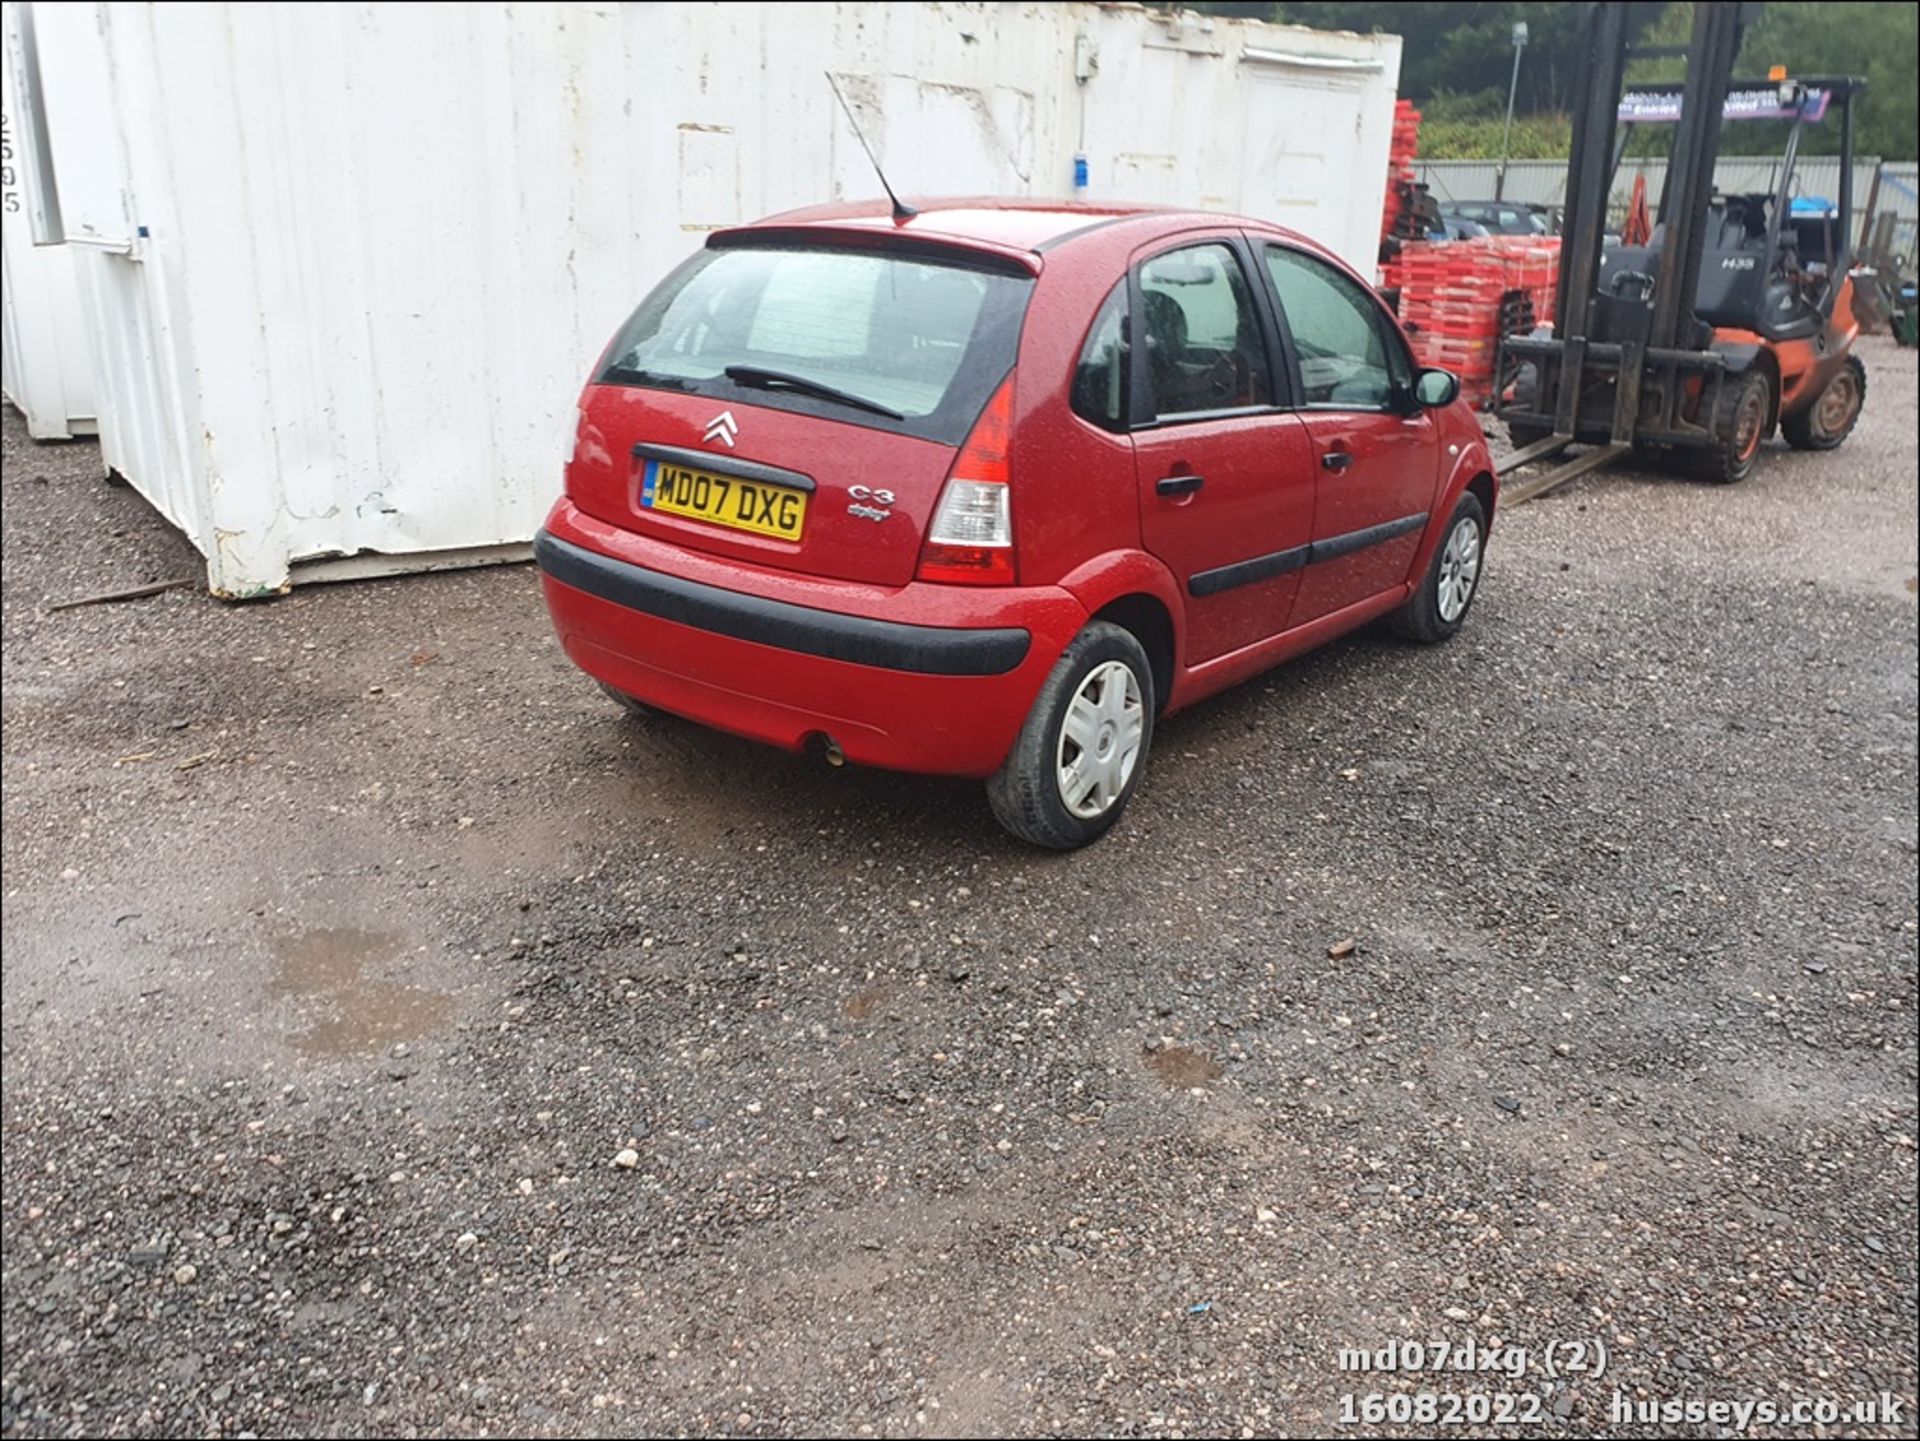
[970, 541]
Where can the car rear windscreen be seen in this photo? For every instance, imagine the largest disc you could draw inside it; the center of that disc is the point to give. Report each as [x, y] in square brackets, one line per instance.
[920, 336]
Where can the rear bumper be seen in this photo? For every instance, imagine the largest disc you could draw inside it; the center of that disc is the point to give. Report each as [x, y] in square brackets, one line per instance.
[928, 678]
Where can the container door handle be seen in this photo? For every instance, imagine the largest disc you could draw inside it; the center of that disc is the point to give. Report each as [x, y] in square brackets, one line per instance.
[1180, 484]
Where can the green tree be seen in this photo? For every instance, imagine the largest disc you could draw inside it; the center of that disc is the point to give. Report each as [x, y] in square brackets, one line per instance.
[1466, 46]
[1849, 37]
[1459, 53]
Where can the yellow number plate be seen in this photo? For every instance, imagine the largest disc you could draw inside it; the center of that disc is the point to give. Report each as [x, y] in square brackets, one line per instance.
[776, 510]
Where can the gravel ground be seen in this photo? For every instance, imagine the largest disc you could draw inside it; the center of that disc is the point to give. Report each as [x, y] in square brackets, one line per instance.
[399, 1039]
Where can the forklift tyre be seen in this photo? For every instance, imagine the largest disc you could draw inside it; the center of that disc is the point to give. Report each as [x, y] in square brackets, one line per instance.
[1526, 386]
[1833, 414]
[1739, 426]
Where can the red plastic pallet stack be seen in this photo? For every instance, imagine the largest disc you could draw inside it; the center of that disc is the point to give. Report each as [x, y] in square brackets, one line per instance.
[1533, 265]
[1451, 296]
[1406, 144]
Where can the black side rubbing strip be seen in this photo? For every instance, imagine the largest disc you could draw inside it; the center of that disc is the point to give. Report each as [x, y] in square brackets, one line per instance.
[1279, 562]
[890, 645]
[1335, 546]
[1246, 572]
[725, 465]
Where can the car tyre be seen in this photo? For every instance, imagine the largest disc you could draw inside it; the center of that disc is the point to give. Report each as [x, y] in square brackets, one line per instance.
[1834, 412]
[1091, 727]
[1439, 606]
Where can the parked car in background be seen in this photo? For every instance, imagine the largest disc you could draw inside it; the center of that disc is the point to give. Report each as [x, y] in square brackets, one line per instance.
[1499, 217]
[1452, 227]
[990, 488]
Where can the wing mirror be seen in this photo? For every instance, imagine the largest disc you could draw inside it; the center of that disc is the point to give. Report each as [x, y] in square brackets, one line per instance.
[1436, 388]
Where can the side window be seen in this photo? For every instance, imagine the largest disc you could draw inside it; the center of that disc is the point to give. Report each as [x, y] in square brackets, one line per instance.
[1204, 347]
[1100, 379]
[1347, 358]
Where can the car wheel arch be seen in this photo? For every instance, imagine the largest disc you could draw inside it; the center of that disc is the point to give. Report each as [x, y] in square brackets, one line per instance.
[1472, 474]
[1136, 591]
[1482, 488]
[1148, 620]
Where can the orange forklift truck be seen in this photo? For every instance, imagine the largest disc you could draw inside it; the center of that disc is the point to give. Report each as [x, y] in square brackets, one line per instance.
[1733, 318]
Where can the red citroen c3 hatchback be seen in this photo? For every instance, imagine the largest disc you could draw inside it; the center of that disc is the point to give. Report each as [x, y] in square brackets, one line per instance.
[988, 490]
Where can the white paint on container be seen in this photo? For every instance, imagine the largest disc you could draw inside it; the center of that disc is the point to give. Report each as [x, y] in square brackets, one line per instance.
[347, 266]
[46, 366]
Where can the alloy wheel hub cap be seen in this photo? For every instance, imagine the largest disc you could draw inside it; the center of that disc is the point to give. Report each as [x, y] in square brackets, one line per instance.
[1099, 742]
[1459, 569]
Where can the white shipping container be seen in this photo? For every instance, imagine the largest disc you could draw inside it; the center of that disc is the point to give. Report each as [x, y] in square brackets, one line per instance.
[347, 266]
[47, 372]
[46, 367]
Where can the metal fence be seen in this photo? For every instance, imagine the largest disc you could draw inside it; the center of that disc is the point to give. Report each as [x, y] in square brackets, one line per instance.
[1544, 182]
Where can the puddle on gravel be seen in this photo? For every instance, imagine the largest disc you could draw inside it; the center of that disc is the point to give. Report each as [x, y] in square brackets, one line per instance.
[1182, 1068]
[368, 1014]
[865, 1001]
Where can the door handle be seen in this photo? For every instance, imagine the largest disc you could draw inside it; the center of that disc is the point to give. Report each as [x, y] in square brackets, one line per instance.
[1336, 460]
[1180, 484]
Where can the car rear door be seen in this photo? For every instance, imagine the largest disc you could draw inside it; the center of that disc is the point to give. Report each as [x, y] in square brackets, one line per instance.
[1374, 454]
[1223, 467]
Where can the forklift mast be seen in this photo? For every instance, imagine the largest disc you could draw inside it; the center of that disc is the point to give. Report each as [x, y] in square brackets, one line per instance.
[1590, 166]
[1684, 200]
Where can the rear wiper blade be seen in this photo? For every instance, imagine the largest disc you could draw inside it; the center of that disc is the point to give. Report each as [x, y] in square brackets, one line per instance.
[768, 379]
